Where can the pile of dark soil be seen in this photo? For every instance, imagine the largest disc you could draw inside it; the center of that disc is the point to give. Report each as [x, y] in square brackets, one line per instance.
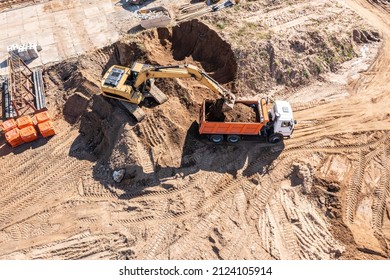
[240, 113]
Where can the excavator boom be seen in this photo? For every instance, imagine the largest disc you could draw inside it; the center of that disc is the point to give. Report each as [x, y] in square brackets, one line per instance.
[186, 71]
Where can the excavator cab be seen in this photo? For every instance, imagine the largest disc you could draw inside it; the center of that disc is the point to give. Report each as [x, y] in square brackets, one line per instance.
[116, 83]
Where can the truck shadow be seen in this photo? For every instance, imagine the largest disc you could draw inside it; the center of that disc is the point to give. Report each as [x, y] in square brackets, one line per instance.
[104, 124]
[200, 155]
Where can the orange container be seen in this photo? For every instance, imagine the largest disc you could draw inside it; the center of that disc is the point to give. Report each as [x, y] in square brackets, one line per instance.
[28, 133]
[42, 117]
[13, 137]
[24, 122]
[8, 125]
[46, 129]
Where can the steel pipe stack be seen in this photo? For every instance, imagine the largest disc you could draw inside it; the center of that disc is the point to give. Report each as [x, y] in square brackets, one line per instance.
[39, 91]
[9, 111]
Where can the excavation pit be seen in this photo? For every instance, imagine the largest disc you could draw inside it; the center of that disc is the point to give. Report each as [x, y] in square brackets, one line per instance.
[193, 42]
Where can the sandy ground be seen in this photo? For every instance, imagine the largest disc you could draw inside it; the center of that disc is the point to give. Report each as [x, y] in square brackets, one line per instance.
[323, 194]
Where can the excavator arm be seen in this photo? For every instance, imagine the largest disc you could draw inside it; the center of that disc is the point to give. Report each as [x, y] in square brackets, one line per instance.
[185, 71]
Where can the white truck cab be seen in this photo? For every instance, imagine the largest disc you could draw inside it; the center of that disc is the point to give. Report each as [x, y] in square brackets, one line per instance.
[282, 117]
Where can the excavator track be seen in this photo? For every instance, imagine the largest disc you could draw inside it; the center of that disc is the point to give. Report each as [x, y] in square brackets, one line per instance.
[133, 109]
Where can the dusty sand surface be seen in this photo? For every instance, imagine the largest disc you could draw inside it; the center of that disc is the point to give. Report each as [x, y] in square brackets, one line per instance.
[323, 194]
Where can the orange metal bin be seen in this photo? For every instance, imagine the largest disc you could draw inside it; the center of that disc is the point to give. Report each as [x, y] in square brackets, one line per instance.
[8, 125]
[13, 137]
[42, 117]
[24, 122]
[28, 133]
[46, 129]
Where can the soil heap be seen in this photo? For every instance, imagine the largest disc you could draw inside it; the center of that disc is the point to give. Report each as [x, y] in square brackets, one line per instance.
[240, 113]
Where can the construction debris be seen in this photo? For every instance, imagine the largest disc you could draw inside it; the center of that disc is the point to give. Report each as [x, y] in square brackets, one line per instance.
[118, 175]
[26, 52]
[154, 17]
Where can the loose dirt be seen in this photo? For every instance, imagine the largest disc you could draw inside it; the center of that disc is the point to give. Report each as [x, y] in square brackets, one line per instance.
[323, 194]
[240, 113]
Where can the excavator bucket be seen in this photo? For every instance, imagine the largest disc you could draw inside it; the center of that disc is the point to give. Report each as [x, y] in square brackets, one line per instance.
[157, 94]
[228, 104]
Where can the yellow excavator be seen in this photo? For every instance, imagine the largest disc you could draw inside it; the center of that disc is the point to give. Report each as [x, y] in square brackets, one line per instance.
[132, 85]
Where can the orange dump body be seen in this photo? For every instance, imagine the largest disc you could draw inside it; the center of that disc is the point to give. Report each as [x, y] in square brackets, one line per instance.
[8, 125]
[28, 133]
[13, 137]
[46, 129]
[42, 117]
[24, 122]
[237, 128]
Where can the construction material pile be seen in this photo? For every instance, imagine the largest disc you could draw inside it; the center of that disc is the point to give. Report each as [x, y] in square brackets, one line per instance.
[240, 113]
[23, 130]
[26, 52]
[154, 17]
[150, 14]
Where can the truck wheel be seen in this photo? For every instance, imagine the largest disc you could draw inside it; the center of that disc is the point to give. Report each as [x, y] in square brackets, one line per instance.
[233, 138]
[216, 138]
[275, 138]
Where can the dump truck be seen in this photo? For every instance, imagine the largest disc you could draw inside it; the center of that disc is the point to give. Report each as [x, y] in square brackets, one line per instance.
[271, 125]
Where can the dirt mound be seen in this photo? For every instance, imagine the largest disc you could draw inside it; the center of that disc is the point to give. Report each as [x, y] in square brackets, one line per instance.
[240, 113]
[74, 107]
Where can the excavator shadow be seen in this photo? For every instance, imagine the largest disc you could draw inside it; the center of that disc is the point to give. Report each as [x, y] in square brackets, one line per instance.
[201, 156]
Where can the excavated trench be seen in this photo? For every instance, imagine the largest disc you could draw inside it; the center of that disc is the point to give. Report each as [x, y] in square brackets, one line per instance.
[193, 41]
